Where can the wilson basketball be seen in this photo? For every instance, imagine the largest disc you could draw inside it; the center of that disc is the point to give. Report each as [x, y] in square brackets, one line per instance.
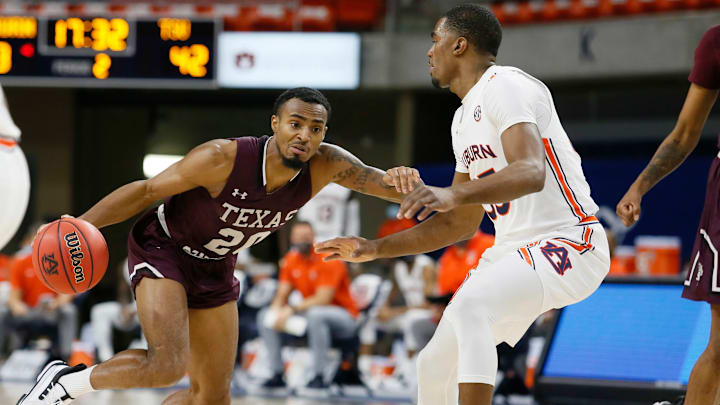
[70, 256]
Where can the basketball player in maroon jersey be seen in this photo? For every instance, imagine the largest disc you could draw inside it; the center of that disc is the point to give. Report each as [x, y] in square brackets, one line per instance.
[223, 196]
[702, 282]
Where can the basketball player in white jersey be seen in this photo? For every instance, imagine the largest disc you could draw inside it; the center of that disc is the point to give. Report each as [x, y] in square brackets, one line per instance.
[14, 176]
[513, 157]
[332, 212]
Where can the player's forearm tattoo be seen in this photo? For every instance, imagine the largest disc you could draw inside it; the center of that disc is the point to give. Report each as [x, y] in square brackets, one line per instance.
[669, 156]
[357, 175]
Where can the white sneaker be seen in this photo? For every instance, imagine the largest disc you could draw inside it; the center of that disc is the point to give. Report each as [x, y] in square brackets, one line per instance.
[47, 390]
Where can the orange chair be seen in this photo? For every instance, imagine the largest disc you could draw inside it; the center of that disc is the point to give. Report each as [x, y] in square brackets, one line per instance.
[639, 6]
[667, 5]
[238, 22]
[536, 9]
[204, 9]
[317, 15]
[499, 10]
[353, 14]
[605, 8]
[270, 17]
[555, 10]
[578, 10]
[709, 3]
[523, 12]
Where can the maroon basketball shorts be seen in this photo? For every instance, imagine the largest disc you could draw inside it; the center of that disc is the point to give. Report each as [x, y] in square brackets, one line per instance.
[703, 281]
[151, 253]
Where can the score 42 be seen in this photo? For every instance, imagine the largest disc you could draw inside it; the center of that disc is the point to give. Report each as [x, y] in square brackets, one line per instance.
[190, 60]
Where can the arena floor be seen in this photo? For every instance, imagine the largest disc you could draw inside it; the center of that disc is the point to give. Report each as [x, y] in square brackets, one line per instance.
[11, 392]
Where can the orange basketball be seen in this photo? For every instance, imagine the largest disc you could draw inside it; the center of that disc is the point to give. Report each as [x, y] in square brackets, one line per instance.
[70, 255]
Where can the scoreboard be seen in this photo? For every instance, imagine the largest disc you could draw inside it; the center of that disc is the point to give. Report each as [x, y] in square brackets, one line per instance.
[107, 51]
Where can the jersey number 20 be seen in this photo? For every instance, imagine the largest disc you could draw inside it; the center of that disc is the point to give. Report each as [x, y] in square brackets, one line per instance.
[222, 246]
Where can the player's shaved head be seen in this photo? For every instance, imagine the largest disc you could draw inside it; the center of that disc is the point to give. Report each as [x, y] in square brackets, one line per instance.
[477, 24]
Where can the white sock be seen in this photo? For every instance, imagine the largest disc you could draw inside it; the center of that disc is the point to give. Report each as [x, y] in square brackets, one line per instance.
[77, 383]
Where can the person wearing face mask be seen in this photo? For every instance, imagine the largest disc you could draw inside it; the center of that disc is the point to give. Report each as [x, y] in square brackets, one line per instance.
[327, 305]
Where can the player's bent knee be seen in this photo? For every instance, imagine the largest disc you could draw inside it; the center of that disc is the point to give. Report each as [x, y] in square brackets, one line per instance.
[458, 314]
[169, 369]
[168, 378]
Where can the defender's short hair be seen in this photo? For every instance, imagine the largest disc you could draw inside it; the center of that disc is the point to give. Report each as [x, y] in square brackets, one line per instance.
[477, 24]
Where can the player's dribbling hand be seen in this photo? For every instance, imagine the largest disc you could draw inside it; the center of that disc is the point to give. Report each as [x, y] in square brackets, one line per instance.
[402, 178]
[350, 249]
[439, 199]
[44, 226]
[628, 209]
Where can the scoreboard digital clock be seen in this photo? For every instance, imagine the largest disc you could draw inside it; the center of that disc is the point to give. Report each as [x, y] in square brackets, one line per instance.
[107, 51]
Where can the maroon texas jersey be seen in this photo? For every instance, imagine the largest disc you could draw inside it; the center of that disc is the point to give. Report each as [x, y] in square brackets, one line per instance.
[702, 283]
[706, 69]
[242, 215]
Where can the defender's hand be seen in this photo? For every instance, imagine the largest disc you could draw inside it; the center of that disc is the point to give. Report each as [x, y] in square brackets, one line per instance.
[402, 178]
[350, 249]
[629, 207]
[431, 198]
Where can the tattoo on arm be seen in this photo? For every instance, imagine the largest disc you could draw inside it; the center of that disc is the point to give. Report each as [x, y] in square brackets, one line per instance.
[357, 175]
[669, 156]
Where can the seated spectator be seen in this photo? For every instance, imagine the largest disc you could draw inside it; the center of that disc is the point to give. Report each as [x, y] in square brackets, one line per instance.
[257, 290]
[332, 212]
[409, 275]
[393, 225]
[36, 310]
[459, 259]
[327, 305]
[5, 262]
[413, 279]
[453, 267]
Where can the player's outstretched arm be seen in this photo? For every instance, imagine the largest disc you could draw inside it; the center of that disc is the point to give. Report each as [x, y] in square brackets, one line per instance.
[524, 174]
[337, 165]
[442, 229]
[676, 147]
[208, 165]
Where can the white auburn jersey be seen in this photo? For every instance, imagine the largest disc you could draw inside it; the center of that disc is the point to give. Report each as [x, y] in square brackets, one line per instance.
[505, 96]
